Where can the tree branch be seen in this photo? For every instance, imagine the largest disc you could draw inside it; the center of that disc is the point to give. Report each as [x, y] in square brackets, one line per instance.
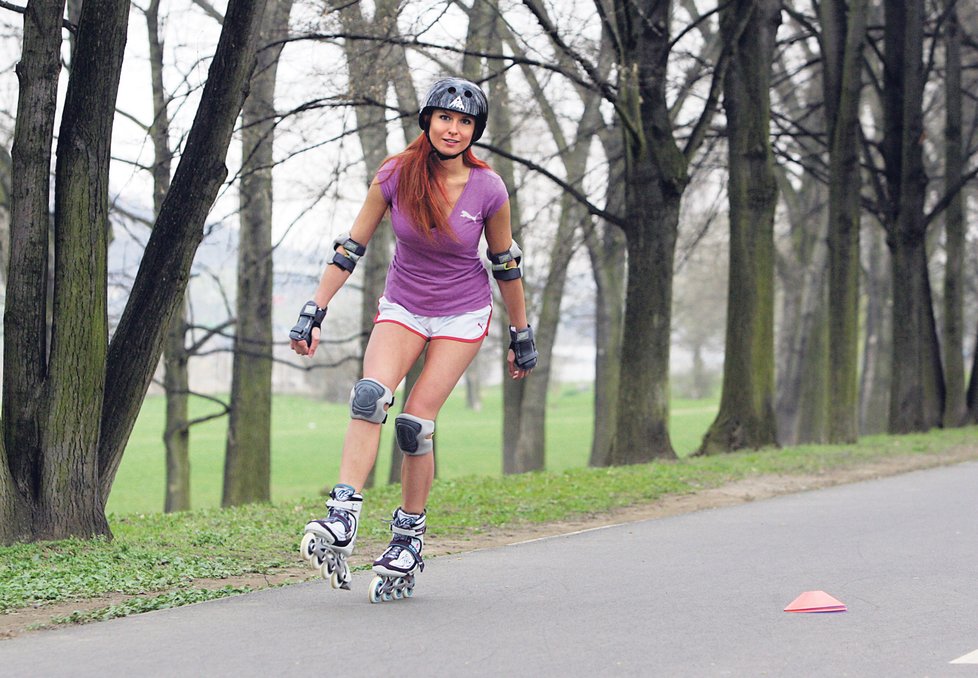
[574, 193]
[70, 27]
[605, 91]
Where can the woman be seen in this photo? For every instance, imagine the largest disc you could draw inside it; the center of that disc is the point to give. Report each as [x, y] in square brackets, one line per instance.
[442, 199]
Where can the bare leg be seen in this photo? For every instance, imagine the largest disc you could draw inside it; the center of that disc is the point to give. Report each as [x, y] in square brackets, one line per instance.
[391, 352]
[444, 365]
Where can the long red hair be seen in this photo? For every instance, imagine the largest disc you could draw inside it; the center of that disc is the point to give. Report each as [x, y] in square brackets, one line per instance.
[419, 193]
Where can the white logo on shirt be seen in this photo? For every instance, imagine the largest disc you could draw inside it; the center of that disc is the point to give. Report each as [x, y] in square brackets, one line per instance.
[458, 103]
[472, 217]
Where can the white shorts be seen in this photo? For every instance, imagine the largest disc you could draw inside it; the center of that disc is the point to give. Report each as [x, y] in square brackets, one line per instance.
[471, 327]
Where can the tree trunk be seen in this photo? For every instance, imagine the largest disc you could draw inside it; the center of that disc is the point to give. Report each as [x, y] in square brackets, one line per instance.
[500, 130]
[24, 324]
[91, 393]
[68, 501]
[606, 250]
[802, 391]
[844, 27]
[519, 455]
[247, 459]
[163, 273]
[530, 451]
[955, 407]
[655, 178]
[874, 388]
[972, 396]
[5, 186]
[917, 390]
[656, 175]
[746, 416]
[813, 418]
[176, 433]
[917, 387]
[473, 386]
[484, 29]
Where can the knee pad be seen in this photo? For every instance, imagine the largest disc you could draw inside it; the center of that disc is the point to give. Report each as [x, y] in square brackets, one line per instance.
[414, 435]
[368, 400]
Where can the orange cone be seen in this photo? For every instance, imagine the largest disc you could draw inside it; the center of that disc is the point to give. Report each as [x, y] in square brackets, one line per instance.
[815, 601]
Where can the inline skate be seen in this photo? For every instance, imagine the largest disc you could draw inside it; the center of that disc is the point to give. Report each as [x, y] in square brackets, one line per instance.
[397, 566]
[327, 543]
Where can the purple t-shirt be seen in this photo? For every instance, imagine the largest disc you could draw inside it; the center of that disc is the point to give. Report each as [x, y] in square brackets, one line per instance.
[442, 276]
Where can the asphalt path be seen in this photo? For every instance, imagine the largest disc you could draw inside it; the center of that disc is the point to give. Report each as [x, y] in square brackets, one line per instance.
[700, 594]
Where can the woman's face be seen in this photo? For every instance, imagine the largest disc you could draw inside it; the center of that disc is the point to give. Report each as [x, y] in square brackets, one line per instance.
[450, 132]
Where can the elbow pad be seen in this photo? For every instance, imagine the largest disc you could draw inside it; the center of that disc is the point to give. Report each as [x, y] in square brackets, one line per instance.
[506, 265]
[349, 256]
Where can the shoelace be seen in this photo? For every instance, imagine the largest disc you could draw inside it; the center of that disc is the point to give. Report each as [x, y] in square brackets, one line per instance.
[397, 545]
[342, 516]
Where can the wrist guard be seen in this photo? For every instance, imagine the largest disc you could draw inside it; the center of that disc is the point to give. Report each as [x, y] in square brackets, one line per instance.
[310, 316]
[351, 252]
[524, 347]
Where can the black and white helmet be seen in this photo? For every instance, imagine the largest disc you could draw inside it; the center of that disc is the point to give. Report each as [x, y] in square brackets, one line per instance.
[457, 94]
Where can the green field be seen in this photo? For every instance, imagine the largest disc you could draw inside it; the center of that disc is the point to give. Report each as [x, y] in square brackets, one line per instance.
[307, 436]
[161, 560]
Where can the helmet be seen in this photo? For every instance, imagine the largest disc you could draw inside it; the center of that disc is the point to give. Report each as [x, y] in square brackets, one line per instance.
[457, 94]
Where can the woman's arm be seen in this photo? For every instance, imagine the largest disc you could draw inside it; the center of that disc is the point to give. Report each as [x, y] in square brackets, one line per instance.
[364, 225]
[499, 237]
[371, 212]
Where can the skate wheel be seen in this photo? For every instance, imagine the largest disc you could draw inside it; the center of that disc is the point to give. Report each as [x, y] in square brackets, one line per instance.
[308, 546]
[340, 577]
[330, 563]
[327, 567]
[376, 584]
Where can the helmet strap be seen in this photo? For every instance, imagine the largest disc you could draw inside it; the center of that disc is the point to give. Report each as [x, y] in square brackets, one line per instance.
[442, 156]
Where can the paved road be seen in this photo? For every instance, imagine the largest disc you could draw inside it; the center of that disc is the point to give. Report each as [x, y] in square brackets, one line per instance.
[694, 595]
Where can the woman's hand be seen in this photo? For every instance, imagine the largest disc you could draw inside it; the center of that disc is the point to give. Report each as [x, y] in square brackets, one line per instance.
[302, 348]
[522, 355]
[514, 371]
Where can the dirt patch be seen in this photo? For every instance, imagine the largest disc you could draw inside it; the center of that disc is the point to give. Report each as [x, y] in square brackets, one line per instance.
[739, 492]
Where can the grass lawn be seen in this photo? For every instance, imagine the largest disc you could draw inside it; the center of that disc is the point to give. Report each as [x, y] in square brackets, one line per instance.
[307, 437]
[163, 560]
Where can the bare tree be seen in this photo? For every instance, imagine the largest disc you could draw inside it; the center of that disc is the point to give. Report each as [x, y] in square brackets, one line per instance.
[5, 167]
[746, 417]
[25, 331]
[69, 411]
[525, 451]
[955, 406]
[843, 34]
[874, 381]
[606, 250]
[176, 433]
[917, 387]
[247, 457]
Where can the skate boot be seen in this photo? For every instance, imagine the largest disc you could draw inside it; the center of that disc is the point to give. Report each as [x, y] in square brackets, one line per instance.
[327, 543]
[397, 565]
